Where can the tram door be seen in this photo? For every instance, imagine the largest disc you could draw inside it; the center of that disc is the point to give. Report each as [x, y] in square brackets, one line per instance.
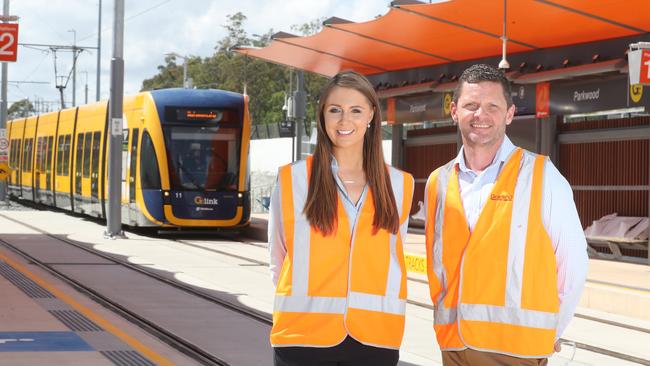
[132, 174]
[43, 170]
[39, 171]
[86, 180]
[78, 172]
[96, 208]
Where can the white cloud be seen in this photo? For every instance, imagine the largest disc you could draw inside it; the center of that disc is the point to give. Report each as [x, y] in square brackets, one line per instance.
[185, 27]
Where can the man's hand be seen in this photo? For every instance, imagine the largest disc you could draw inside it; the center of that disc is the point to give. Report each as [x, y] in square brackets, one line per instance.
[558, 346]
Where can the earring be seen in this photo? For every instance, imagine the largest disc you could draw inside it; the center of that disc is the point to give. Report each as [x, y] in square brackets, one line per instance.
[368, 125]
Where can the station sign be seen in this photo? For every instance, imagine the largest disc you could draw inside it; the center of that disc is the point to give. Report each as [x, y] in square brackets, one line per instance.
[4, 145]
[639, 66]
[8, 42]
[602, 94]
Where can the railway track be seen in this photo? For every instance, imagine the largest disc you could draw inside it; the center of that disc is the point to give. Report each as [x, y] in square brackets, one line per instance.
[183, 345]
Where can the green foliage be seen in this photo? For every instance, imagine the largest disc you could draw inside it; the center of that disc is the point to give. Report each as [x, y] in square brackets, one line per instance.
[21, 108]
[265, 83]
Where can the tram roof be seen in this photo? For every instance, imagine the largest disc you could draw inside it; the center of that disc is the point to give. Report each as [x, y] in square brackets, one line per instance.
[414, 34]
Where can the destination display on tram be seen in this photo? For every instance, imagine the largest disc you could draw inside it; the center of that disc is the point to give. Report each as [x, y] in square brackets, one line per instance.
[204, 115]
[201, 116]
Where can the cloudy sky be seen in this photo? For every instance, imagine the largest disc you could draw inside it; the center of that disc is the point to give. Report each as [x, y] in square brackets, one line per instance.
[152, 28]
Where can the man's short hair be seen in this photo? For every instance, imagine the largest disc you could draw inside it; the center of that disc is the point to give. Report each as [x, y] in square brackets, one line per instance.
[482, 72]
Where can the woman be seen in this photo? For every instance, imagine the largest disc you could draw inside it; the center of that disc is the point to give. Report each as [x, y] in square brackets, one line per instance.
[336, 232]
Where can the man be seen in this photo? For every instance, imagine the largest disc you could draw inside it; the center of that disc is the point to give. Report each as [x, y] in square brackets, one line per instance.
[506, 253]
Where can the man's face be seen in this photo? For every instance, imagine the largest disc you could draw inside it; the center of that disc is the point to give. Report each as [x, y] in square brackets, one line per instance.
[482, 114]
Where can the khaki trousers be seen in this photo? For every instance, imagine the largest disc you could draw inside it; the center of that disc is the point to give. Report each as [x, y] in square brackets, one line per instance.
[470, 357]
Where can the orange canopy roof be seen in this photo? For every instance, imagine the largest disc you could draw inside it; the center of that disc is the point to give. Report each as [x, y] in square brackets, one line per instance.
[414, 34]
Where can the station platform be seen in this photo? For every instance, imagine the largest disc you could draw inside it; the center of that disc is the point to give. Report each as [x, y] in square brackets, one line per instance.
[628, 283]
[65, 326]
[46, 322]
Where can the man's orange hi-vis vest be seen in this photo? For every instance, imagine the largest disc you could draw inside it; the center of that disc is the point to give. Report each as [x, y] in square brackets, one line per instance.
[345, 283]
[494, 289]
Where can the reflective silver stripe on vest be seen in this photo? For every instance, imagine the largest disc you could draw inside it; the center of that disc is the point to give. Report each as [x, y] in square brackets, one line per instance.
[514, 316]
[519, 231]
[385, 304]
[301, 230]
[309, 304]
[438, 266]
[394, 279]
[443, 315]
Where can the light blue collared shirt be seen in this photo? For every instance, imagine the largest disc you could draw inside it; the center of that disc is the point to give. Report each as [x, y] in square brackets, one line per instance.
[351, 209]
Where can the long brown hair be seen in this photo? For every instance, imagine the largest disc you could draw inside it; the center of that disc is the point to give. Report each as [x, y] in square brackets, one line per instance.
[322, 199]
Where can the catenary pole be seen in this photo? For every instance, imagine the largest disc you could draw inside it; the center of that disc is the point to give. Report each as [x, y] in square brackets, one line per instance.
[74, 67]
[114, 215]
[99, 48]
[3, 104]
[300, 105]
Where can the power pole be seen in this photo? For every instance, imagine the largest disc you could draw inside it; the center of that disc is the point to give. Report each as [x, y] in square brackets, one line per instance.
[99, 48]
[3, 106]
[300, 105]
[86, 89]
[74, 67]
[114, 214]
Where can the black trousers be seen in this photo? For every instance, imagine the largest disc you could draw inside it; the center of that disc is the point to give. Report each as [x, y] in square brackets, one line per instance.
[348, 353]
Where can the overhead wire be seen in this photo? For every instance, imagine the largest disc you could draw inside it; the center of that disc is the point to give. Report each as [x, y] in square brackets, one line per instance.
[127, 19]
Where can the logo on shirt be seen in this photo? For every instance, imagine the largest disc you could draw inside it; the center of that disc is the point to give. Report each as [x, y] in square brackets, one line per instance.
[501, 197]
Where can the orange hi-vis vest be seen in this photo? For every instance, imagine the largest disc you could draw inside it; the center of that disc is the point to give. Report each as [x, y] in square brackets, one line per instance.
[347, 283]
[494, 289]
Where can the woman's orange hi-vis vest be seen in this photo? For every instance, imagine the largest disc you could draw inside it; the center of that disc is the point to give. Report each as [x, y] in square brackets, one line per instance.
[346, 283]
[494, 289]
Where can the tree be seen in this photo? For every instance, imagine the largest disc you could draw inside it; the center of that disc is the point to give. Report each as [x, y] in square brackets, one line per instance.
[21, 108]
[236, 33]
[265, 83]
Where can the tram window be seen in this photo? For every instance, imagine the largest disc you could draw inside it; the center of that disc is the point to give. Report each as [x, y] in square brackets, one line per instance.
[42, 154]
[203, 158]
[43, 151]
[78, 161]
[48, 161]
[66, 155]
[96, 144]
[39, 154]
[28, 155]
[17, 157]
[12, 153]
[149, 173]
[24, 163]
[132, 162]
[59, 156]
[87, 144]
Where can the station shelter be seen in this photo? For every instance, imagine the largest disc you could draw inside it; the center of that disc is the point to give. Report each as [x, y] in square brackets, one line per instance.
[569, 74]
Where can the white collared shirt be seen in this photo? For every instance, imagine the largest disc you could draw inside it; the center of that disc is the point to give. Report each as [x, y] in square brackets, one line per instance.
[559, 216]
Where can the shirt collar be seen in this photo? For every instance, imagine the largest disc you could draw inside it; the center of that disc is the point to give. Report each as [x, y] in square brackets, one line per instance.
[334, 165]
[506, 148]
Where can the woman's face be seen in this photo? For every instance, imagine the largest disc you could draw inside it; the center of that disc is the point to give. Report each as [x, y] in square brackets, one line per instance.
[347, 113]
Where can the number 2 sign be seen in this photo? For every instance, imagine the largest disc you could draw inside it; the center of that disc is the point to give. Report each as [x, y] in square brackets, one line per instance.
[8, 42]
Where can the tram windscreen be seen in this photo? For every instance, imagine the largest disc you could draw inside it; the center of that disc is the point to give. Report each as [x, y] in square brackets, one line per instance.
[204, 158]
